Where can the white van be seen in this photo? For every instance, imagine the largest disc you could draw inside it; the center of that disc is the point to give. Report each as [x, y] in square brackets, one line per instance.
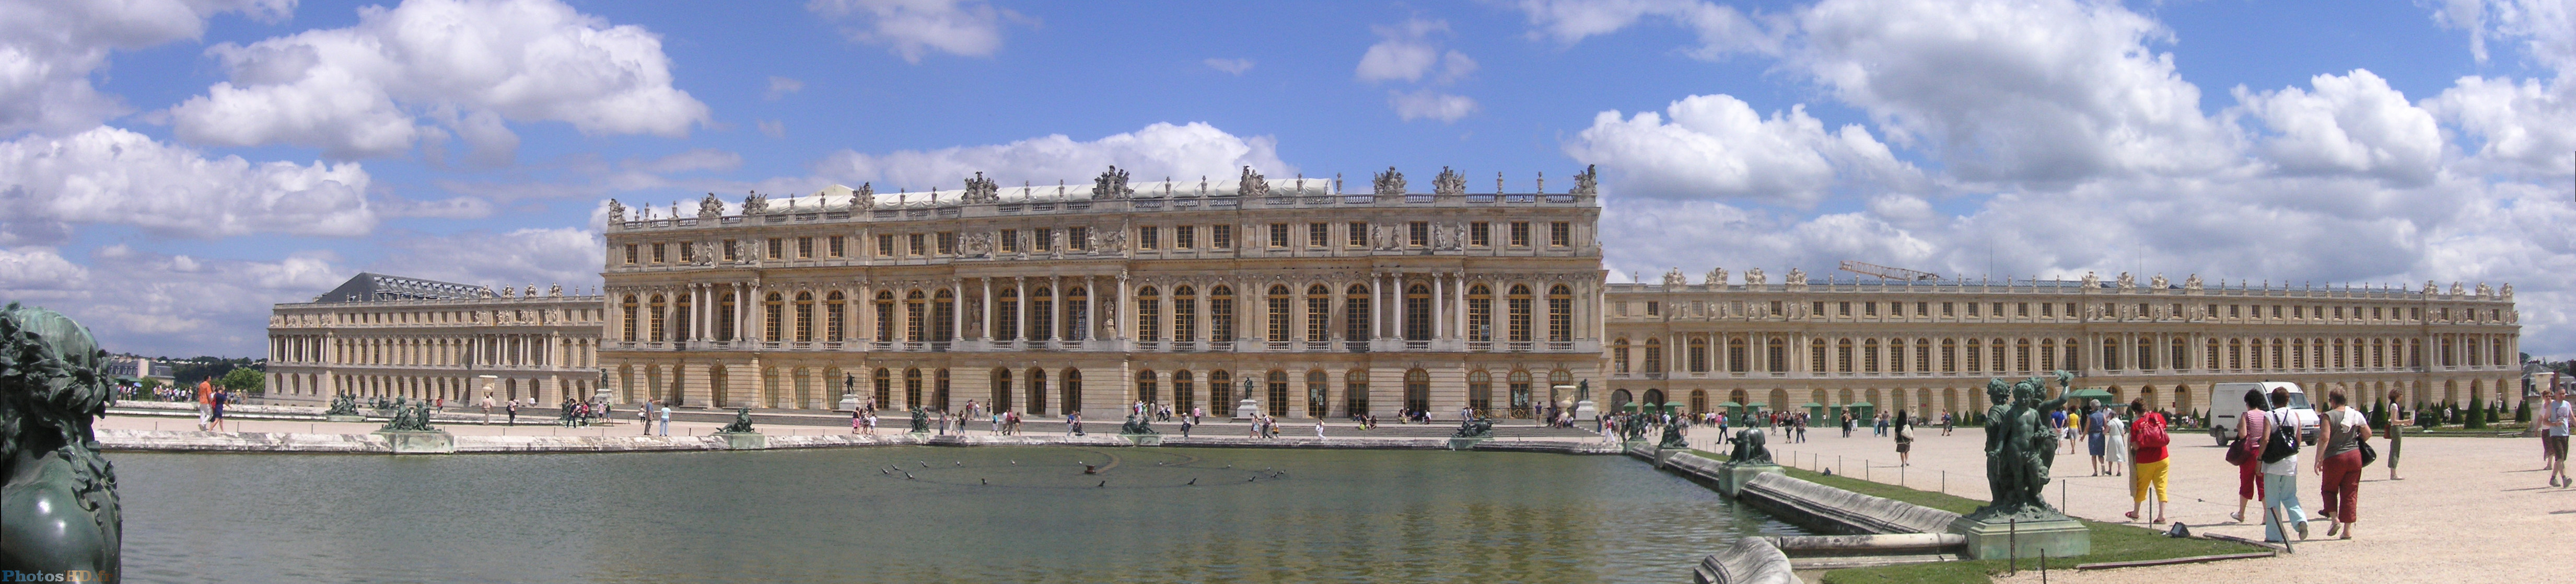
[2227, 401]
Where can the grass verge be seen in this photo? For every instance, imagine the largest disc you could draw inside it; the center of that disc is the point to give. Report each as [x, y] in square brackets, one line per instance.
[2112, 542]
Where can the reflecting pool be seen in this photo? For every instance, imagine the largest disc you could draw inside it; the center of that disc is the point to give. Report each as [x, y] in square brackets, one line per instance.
[921, 514]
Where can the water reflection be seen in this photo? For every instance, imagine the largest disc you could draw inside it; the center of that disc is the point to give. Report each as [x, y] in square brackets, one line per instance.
[967, 514]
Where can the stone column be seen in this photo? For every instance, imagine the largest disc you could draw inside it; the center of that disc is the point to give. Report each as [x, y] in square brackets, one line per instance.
[984, 311]
[956, 310]
[1055, 308]
[1126, 309]
[1020, 326]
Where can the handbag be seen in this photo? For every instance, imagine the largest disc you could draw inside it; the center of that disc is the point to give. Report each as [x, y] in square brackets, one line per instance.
[2368, 454]
[2284, 441]
[2238, 453]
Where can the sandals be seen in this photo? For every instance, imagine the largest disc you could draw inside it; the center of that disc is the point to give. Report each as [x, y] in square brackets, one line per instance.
[2132, 515]
[2238, 516]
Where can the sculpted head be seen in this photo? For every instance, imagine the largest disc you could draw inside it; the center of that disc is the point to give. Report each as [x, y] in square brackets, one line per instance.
[52, 377]
[1998, 391]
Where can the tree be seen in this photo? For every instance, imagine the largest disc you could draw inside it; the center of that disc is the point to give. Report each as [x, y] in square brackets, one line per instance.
[245, 381]
[2522, 411]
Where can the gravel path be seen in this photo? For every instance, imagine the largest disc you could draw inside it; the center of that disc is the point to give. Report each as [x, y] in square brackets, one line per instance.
[2470, 509]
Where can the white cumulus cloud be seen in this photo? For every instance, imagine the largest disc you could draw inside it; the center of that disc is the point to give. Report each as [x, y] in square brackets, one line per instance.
[2352, 123]
[49, 49]
[1156, 151]
[1721, 29]
[912, 28]
[1717, 146]
[361, 91]
[1430, 104]
[110, 175]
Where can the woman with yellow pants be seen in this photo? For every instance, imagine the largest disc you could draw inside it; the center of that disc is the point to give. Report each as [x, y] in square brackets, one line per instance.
[2147, 441]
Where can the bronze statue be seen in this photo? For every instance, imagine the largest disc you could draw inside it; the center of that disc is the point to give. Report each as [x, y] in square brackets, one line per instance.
[741, 422]
[2020, 448]
[920, 420]
[1136, 425]
[1474, 428]
[342, 405]
[411, 417]
[1748, 448]
[1673, 436]
[58, 507]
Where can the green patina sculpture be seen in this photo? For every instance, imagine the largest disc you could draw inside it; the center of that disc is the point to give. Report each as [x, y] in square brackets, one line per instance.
[1136, 425]
[1632, 427]
[1748, 448]
[1474, 428]
[342, 405]
[409, 417]
[2020, 448]
[58, 505]
[1673, 436]
[742, 421]
[920, 420]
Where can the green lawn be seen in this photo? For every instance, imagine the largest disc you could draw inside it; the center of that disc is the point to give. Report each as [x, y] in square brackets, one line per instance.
[2112, 542]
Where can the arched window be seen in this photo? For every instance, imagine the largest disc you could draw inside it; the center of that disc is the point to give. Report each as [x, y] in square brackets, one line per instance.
[1843, 353]
[1480, 314]
[725, 317]
[2110, 354]
[1077, 316]
[1619, 355]
[679, 318]
[804, 317]
[912, 387]
[1654, 356]
[1698, 354]
[1184, 396]
[1699, 401]
[2047, 354]
[1779, 356]
[916, 316]
[1521, 392]
[1355, 314]
[774, 313]
[1417, 390]
[1355, 392]
[943, 315]
[1146, 389]
[1560, 314]
[885, 316]
[1517, 314]
[2021, 355]
[1037, 391]
[884, 381]
[1417, 312]
[658, 311]
[1278, 395]
[833, 312]
[1480, 391]
[1816, 356]
[1221, 314]
[1869, 355]
[1220, 392]
[1001, 389]
[1278, 305]
[1149, 314]
[1041, 314]
[1185, 314]
[939, 390]
[1735, 355]
[1073, 390]
[1318, 394]
[1006, 314]
[1319, 314]
[628, 310]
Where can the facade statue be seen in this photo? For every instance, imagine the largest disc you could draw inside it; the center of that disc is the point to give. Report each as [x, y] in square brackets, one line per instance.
[1748, 448]
[1388, 183]
[1754, 277]
[59, 505]
[1675, 279]
[979, 243]
[864, 197]
[1251, 185]
[1111, 184]
[741, 422]
[1586, 183]
[2128, 282]
[616, 212]
[2191, 283]
[1716, 279]
[1797, 277]
[755, 204]
[710, 207]
[1449, 183]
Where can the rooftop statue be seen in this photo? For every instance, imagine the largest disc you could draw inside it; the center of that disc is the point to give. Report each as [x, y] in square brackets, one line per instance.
[1251, 185]
[1111, 184]
[616, 212]
[58, 503]
[755, 204]
[1754, 277]
[710, 207]
[741, 422]
[1388, 183]
[982, 190]
[864, 197]
[1589, 182]
[1449, 182]
[1716, 277]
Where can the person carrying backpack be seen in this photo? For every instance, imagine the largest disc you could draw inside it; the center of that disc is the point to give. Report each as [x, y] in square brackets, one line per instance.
[2280, 459]
[2147, 454]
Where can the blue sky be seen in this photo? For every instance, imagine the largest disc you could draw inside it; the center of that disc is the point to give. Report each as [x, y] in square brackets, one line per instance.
[175, 166]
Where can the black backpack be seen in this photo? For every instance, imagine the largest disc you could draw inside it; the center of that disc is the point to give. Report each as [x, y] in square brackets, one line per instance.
[2284, 441]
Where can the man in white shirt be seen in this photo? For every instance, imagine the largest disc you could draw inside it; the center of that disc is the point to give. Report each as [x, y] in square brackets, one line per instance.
[2556, 416]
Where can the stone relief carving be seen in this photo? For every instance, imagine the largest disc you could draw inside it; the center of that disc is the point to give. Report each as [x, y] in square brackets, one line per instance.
[706, 253]
[979, 243]
[710, 207]
[1586, 183]
[1388, 183]
[1111, 184]
[1450, 182]
[1112, 241]
[1251, 185]
[982, 190]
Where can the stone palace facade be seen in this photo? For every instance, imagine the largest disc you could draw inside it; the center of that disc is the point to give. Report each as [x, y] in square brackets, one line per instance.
[391, 336]
[1931, 346]
[1311, 301]
[1308, 301]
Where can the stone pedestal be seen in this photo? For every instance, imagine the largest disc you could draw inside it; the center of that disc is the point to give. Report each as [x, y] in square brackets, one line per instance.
[1731, 476]
[1467, 443]
[1247, 409]
[744, 440]
[1584, 411]
[419, 442]
[1143, 439]
[2059, 536]
[343, 418]
[849, 402]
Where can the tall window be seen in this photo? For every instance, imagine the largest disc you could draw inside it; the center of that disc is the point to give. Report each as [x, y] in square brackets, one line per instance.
[1355, 313]
[1480, 391]
[1518, 314]
[1006, 314]
[1843, 362]
[774, 311]
[804, 317]
[1183, 395]
[627, 318]
[1146, 389]
[1319, 313]
[2110, 354]
[680, 317]
[1698, 357]
[1041, 317]
[1520, 391]
[1619, 355]
[659, 310]
[1037, 391]
[1220, 391]
[1417, 313]
[885, 316]
[1149, 314]
[916, 314]
[1001, 389]
[832, 312]
[1654, 356]
[1278, 393]
[1318, 394]
[912, 387]
[943, 315]
[1480, 313]
[1560, 313]
[1355, 391]
[1735, 362]
[1077, 316]
[1185, 314]
[1417, 390]
[884, 381]
[1278, 304]
[1221, 314]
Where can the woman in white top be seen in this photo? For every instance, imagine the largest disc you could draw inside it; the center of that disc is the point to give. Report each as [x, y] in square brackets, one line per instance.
[2116, 433]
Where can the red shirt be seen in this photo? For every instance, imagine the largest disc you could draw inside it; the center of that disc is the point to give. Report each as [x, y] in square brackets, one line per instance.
[2142, 453]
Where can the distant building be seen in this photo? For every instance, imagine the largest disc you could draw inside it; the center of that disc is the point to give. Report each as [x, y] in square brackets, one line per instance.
[392, 336]
[139, 368]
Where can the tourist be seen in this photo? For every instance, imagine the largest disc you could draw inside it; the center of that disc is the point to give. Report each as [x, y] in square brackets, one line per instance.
[856, 418]
[1073, 424]
[2398, 419]
[216, 409]
[1947, 423]
[2556, 417]
[2339, 461]
[2281, 477]
[2250, 428]
[1904, 440]
[666, 419]
[514, 411]
[644, 415]
[487, 408]
[1185, 427]
[2148, 459]
[2115, 436]
[2094, 440]
[1319, 428]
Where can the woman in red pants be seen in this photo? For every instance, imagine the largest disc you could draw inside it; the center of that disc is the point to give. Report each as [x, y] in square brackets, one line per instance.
[2339, 460]
[2252, 427]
